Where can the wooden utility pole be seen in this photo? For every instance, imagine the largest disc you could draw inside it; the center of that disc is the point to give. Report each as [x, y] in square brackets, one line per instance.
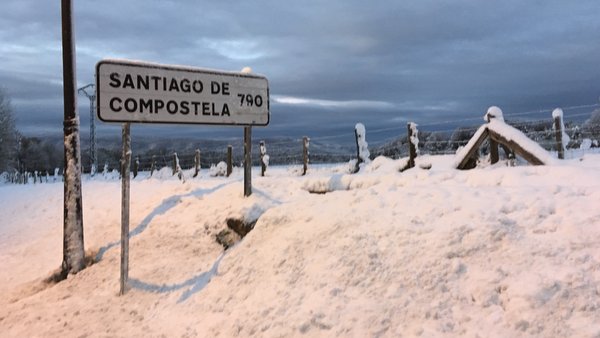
[73, 244]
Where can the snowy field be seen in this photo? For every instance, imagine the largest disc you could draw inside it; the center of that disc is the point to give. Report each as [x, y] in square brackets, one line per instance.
[491, 252]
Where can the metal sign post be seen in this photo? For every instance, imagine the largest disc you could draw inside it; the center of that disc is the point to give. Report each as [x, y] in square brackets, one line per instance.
[125, 184]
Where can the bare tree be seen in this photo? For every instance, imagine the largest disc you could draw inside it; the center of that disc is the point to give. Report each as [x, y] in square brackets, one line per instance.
[8, 135]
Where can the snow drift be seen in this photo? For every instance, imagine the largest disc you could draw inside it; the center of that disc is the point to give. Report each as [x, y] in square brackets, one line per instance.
[494, 252]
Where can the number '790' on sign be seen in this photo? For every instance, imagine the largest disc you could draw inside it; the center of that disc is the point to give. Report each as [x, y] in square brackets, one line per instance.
[139, 92]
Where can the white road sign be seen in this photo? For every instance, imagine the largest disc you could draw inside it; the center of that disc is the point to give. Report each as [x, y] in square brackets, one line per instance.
[137, 92]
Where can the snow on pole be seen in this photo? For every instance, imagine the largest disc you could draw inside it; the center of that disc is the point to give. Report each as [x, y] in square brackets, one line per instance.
[494, 112]
[362, 147]
[178, 169]
[264, 158]
[413, 142]
[73, 243]
[562, 139]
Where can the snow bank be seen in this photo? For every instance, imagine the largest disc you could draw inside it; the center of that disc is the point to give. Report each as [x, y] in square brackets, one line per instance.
[498, 252]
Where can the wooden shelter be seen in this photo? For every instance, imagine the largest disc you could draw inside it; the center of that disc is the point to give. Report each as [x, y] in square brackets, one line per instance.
[501, 134]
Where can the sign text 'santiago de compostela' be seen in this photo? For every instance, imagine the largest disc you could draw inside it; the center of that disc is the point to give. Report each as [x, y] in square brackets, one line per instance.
[150, 93]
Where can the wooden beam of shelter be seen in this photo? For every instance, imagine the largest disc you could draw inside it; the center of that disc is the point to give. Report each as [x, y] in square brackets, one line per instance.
[529, 157]
[474, 148]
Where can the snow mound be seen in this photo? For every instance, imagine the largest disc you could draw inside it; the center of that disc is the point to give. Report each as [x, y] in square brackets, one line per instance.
[498, 252]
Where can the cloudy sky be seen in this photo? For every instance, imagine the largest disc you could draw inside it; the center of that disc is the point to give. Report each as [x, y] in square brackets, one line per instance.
[330, 64]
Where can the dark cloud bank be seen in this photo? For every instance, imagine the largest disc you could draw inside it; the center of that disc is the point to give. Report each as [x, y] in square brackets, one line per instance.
[330, 64]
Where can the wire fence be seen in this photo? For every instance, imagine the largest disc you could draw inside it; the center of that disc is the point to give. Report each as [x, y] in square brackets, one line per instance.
[323, 150]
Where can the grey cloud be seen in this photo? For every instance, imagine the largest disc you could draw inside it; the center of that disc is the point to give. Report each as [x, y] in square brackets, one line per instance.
[431, 60]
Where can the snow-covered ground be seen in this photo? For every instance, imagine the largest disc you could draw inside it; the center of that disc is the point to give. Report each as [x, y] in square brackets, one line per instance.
[490, 252]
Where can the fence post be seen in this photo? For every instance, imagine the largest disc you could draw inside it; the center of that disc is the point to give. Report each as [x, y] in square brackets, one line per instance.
[136, 166]
[263, 153]
[247, 161]
[197, 163]
[174, 163]
[558, 132]
[305, 145]
[229, 160]
[358, 158]
[153, 165]
[362, 147]
[413, 144]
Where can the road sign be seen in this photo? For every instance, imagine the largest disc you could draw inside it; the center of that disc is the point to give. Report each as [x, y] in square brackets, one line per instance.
[138, 92]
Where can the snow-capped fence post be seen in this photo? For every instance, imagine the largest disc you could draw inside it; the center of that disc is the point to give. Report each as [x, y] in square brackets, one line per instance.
[125, 163]
[494, 112]
[177, 167]
[264, 158]
[305, 145]
[247, 161]
[413, 144]
[362, 147]
[136, 166]
[229, 160]
[559, 131]
[153, 165]
[197, 162]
